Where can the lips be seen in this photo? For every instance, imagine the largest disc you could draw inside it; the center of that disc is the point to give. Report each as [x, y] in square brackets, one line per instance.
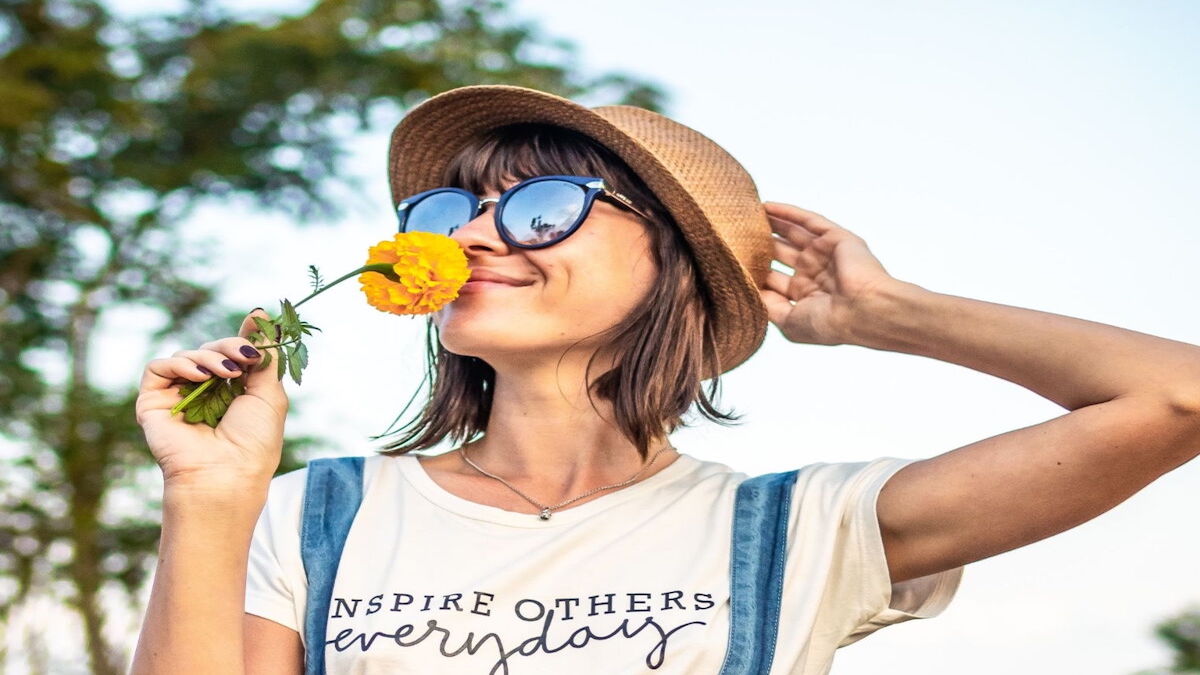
[488, 275]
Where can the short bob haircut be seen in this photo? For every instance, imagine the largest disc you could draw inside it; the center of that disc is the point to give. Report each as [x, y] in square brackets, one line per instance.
[662, 349]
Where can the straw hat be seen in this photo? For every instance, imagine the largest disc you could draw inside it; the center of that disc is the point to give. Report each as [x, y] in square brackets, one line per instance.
[710, 195]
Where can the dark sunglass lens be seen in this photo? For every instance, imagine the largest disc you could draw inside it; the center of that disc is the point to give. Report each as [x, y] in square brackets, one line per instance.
[441, 213]
[542, 211]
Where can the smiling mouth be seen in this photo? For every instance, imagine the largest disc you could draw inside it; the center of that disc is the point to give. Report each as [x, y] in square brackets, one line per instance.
[480, 284]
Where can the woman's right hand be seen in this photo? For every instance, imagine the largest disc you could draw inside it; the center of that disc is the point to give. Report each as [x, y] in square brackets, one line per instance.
[244, 449]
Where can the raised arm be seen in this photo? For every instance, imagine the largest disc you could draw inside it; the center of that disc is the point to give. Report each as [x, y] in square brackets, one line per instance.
[215, 486]
[1134, 400]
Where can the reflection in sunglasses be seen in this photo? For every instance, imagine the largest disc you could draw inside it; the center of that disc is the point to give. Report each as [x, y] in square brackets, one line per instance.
[549, 207]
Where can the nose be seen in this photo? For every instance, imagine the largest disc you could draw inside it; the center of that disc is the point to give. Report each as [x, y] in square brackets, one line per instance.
[479, 234]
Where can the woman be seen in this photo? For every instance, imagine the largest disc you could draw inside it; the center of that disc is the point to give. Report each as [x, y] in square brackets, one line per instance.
[618, 260]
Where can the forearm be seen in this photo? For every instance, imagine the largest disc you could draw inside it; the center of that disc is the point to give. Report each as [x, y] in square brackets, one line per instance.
[193, 622]
[1070, 361]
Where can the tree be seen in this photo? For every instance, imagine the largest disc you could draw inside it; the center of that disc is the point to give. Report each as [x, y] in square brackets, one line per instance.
[1182, 634]
[111, 132]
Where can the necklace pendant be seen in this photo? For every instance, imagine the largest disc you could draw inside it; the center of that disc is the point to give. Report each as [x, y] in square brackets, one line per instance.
[545, 515]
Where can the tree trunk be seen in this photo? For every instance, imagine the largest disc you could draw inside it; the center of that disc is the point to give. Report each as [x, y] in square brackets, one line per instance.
[83, 466]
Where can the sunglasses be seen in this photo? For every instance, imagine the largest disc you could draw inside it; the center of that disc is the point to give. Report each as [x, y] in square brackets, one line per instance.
[535, 213]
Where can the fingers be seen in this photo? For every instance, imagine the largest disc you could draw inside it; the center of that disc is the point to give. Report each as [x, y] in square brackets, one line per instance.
[791, 232]
[786, 253]
[248, 326]
[164, 373]
[791, 287]
[222, 358]
[264, 382]
[804, 240]
[226, 358]
[811, 221]
[780, 283]
[778, 306]
[157, 393]
[806, 261]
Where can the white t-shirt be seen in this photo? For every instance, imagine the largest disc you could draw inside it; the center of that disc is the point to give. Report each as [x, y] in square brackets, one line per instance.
[635, 581]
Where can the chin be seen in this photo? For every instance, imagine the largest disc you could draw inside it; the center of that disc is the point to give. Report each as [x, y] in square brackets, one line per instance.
[508, 341]
[480, 335]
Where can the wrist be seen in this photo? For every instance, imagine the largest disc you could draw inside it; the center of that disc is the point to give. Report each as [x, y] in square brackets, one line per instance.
[876, 318]
[223, 494]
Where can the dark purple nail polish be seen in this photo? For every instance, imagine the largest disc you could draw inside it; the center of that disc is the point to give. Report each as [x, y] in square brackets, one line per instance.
[249, 352]
[204, 370]
[230, 365]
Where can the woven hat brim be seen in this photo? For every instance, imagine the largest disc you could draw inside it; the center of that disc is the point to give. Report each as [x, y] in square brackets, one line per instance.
[429, 136]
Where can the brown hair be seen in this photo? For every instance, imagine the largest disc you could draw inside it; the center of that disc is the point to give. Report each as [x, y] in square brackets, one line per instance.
[663, 347]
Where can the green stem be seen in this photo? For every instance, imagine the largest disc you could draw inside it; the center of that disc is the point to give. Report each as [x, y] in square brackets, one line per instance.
[192, 396]
[277, 344]
[383, 268]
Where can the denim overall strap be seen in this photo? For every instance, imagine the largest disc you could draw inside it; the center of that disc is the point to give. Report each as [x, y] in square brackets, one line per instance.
[331, 498]
[760, 520]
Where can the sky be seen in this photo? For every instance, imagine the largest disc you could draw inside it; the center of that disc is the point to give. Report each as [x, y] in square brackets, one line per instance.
[1043, 155]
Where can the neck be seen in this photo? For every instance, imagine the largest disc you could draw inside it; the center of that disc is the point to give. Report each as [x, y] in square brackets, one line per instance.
[551, 441]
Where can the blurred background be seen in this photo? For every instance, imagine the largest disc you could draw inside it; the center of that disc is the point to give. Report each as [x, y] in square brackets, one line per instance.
[166, 166]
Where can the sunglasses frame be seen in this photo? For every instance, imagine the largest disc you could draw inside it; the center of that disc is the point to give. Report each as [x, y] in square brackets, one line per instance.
[594, 188]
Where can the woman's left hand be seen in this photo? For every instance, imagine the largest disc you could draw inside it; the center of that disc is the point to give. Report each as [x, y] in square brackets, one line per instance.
[833, 272]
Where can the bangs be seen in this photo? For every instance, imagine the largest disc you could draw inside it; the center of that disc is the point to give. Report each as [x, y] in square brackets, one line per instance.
[516, 152]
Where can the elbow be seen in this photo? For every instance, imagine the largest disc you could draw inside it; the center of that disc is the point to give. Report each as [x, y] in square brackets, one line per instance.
[1185, 402]
[1180, 402]
[1183, 406]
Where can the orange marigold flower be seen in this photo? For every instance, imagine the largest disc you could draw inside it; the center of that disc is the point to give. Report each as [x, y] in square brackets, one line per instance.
[431, 268]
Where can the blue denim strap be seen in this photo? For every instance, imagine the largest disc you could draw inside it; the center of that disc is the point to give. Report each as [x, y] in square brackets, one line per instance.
[331, 498]
[760, 520]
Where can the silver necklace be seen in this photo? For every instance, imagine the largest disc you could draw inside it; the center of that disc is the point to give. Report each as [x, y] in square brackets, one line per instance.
[545, 514]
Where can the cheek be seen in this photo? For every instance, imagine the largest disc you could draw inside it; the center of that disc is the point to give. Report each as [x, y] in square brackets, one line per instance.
[608, 285]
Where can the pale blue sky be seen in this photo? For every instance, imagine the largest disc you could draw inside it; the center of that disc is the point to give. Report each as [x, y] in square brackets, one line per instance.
[1043, 155]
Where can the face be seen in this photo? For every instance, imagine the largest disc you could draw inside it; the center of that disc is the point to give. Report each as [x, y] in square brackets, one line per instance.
[578, 287]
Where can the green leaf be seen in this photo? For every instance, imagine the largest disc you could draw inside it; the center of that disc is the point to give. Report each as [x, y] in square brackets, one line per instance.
[280, 365]
[210, 405]
[266, 361]
[301, 355]
[264, 326]
[211, 402]
[223, 398]
[210, 416]
[290, 321]
[295, 368]
[272, 329]
[192, 414]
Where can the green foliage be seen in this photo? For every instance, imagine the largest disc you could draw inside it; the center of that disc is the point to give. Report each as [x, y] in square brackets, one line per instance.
[111, 132]
[1182, 634]
[315, 278]
[210, 407]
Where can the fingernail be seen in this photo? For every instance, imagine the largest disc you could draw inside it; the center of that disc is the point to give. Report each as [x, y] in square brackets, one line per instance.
[229, 364]
[204, 370]
[256, 309]
[249, 352]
